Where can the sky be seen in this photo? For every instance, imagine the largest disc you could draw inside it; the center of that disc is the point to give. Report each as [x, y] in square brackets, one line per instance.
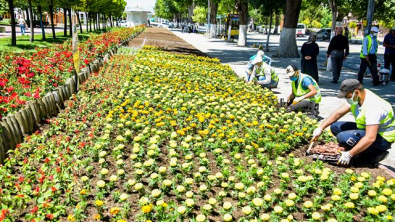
[145, 4]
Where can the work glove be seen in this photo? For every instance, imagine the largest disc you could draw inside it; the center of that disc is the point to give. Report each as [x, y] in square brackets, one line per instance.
[298, 99]
[317, 133]
[344, 159]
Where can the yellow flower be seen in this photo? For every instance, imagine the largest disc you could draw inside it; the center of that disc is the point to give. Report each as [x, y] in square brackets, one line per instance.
[372, 193]
[381, 208]
[96, 217]
[387, 192]
[181, 210]
[349, 205]
[289, 203]
[200, 218]
[257, 202]
[227, 205]
[246, 210]
[278, 209]
[383, 199]
[335, 197]
[122, 220]
[70, 217]
[308, 204]
[265, 217]
[114, 210]
[99, 203]
[354, 196]
[147, 208]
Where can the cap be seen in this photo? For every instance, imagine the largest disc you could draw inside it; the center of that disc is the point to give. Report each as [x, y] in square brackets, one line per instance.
[260, 53]
[374, 29]
[348, 85]
[291, 69]
[257, 59]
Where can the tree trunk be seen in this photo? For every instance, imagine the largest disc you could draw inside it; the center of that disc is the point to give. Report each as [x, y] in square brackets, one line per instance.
[266, 23]
[31, 21]
[71, 22]
[65, 21]
[27, 14]
[288, 47]
[79, 20]
[277, 23]
[13, 32]
[213, 19]
[52, 23]
[230, 26]
[242, 9]
[40, 13]
[268, 35]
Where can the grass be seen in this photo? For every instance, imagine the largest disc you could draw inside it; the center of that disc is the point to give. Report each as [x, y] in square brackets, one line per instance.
[23, 42]
[5, 22]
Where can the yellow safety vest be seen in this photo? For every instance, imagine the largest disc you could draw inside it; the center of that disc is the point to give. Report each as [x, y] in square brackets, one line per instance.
[369, 46]
[387, 125]
[299, 91]
[273, 75]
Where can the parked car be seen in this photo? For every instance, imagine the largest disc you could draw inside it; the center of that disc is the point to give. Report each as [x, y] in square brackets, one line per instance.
[300, 29]
[324, 34]
[123, 23]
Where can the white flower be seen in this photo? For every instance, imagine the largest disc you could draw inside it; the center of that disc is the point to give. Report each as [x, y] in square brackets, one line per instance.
[207, 207]
[101, 183]
[239, 186]
[180, 189]
[203, 188]
[227, 205]
[257, 202]
[113, 178]
[138, 186]
[167, 183]
[131, 182]
[200, 218]
[189, 202]
[84, 178]
[156, 193]
[212, 201]
[123, 196]
[121, 172]
[181, 210]
[228, 217]
[246, 210]
[189, 194]
[102, 154]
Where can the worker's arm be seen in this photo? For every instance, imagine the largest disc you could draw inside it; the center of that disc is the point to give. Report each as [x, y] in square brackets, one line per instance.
[336, 115]
[366, 141]
[312, 92]
[253, 74]
[385, 44]
[268, 77]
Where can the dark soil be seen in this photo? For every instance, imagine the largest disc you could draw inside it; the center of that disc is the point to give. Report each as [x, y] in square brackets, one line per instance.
[161, 37]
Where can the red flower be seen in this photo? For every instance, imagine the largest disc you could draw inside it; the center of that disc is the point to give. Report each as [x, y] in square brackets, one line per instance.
[86, 61]
[49, 216]
[34, 210]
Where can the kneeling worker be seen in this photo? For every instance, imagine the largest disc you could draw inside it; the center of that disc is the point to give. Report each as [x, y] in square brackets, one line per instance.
[368, 139]
[255, 63]
[266, 77]
[305, 90]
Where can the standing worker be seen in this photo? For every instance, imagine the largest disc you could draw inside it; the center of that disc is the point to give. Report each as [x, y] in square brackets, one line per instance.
[22, 25]
[310, 51]
[371, 135]
[336, 48]
[368, 56]
[389, 54]
[305, 90]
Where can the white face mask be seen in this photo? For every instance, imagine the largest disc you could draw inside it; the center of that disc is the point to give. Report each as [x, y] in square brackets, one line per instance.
[351, 100]
[375, 34]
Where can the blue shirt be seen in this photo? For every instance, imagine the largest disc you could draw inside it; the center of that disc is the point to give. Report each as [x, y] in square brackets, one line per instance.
[372, 49]
[390, 40]
[305, 83]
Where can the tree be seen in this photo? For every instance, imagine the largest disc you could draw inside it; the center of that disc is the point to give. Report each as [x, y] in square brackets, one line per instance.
[213, 17]
[288, 47]
[13, 32]
[242, 10]
[199, 14]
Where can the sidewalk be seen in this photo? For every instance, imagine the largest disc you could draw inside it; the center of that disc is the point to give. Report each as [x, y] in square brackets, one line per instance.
[237, 57]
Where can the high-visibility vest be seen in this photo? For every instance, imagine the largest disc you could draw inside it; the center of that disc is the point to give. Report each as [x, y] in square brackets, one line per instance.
[386, 126]
[369, 46]
[299, 91]
[273, 73]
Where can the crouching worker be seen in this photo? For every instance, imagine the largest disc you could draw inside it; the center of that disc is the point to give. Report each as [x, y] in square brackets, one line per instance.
[266, 77]
[255, 63]
[368, 138]
[305, 91]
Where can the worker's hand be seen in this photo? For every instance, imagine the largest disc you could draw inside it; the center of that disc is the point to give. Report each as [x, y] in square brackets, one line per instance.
[298, 99]
[317, 133]
[344, 159]
[367, 59]
[345, 57]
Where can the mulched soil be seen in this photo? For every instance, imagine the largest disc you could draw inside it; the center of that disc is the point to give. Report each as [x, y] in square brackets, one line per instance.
[165, 39]
[161, 37]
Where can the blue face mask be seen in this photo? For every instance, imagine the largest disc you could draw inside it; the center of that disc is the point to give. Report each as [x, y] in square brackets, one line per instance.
[293, 78]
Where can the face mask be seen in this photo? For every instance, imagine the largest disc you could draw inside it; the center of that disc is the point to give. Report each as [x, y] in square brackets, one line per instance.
[351, 100]
[375, 34]
[293, 78]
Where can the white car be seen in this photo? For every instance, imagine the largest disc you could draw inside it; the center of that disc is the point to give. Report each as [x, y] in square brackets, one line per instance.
[123, 23]
[300, 29]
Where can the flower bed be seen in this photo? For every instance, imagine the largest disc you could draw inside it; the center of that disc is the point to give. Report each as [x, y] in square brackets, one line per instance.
[29, 76]
[180, 138]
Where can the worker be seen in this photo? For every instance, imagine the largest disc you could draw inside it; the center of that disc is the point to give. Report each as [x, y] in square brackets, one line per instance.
[255, 63]
[368, 56]
[368, 138]
[266, 76]
[305, 90]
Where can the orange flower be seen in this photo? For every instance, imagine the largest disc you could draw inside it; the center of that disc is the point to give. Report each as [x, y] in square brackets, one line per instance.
[114, 210]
